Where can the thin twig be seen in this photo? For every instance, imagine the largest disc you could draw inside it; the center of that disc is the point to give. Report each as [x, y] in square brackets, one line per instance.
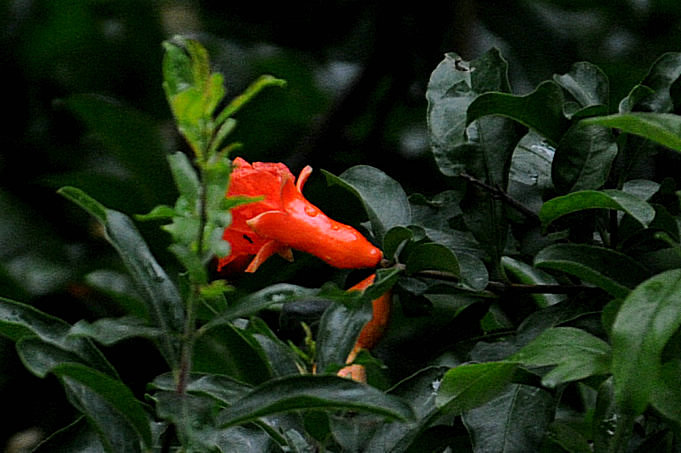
[509, 288]
[499, 194]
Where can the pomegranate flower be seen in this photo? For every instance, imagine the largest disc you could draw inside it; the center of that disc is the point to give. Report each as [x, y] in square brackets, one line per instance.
[285, 220]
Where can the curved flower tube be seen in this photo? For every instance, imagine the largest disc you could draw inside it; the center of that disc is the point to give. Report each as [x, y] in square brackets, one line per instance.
[371, 333]
[285, 220]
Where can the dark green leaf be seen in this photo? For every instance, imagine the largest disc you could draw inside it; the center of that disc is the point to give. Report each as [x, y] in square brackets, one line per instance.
[227, 350]
[644, 323]
[657, 84]
[394, 239]
[471, 385]
[667, 395]
[339, 328]
[530, 275]
[453, 85]
[48, 335]
[576, 353]
[588, 85]
[164, 303]
[513, 422]
[568, 438]
[109, 331]
[540, 110]
[608, 269]
[78, 437]
[419, 390]
[383, 198]
[661, 128]
[251, 304]
[612, 424]
[314, 392]
[583, 158]
[597, 199]
[222, 389]
[431, 256]
[109, 406]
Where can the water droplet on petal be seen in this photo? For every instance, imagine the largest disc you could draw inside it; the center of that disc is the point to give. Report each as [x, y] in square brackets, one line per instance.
[312, 212]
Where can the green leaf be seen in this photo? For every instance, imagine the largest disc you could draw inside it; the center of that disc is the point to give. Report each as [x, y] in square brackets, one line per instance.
[227, 350]
[608, 269]
[339, 328]
[618, 200]
[383, 198]
[109, 331]
[313, 393]
[185, 177]
[588, 85]
[471, 385]
[530, 275]
[653, 94]
[251, 304]
[109, 406]
[583, 158]
[568, 438]
[540, 110]
[661, 128]
[49, 337]
[78, 437]
[612, 424]
[253, 89]
[394, 239]
[432, 256]
[222, 389]
[453, 85]
[513, 422]
[667, 395]
[164, 303]
[576, 353]
[645, 322]
[418, 390]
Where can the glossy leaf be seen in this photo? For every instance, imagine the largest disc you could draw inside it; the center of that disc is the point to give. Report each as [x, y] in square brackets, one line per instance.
[575, 353]
[588, 86]
[453, 85]
[47, 333]
[653, 93]
[109, 406]
[661, 128]
[383, 198]
[109, 331]
[471, 385]
[77, 437]
[223, 389]
[437, 257]
[227, 350]
[419, 391]
[583, 158]
[513, 422]
[540, 110]
[339, 328]
[618, 200]
[251, 304]
[162, 298]
[645, 322]
[530, 275]
[314, 392]
[608, 269]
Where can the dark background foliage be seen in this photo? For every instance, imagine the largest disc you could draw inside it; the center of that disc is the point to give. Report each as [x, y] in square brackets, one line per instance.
[84, 106]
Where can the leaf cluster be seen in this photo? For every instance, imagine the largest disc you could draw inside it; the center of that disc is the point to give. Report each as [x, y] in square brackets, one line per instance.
[536, 299]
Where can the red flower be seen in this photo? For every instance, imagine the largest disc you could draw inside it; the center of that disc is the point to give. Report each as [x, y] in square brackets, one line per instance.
[284, 219]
